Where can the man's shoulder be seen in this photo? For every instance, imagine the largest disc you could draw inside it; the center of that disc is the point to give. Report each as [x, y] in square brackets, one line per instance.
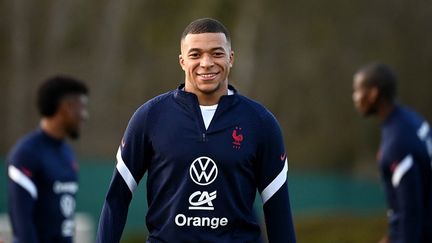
[155, 102]
[400, 134]
[151, 108]
[408, 118]
[28, 145]
[255, 108]
[404, 127]
[254, 105]
[29, 139]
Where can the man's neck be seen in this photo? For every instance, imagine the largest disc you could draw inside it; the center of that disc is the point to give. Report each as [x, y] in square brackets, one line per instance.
[384, 110]
[52, 127]
[208, 99]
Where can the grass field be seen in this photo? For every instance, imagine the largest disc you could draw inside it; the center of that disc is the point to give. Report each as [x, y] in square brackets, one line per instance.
[341, 229]
[333, 229]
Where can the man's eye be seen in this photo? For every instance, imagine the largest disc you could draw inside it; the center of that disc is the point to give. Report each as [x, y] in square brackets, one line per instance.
[193, 55]
[218, 54]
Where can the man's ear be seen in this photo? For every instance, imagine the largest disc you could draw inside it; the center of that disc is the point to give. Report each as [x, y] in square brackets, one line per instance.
[67, 104]
[373, 94]
[231, 58]
[63, 108]
[181, 61]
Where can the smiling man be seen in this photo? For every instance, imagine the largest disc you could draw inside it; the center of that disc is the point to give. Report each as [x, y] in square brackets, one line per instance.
[206, 150]
[206, 59]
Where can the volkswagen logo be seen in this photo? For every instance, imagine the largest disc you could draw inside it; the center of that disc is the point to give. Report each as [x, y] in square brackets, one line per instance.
[203, 171]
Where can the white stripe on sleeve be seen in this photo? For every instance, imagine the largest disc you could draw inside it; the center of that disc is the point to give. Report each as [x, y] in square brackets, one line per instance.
[21, 179]
[423, 131]
[276, 184]
[401, 170]
[124, 172]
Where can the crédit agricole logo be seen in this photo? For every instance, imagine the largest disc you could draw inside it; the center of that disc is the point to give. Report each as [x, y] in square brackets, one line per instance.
[203, 171]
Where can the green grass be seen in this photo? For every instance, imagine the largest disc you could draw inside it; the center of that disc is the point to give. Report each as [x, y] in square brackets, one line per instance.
[340, 229]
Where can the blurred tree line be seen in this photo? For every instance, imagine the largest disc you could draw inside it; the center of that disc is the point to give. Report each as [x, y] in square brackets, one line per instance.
[296, 57]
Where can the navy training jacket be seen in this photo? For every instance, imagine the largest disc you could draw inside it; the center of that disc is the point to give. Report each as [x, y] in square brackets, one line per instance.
[201, 183]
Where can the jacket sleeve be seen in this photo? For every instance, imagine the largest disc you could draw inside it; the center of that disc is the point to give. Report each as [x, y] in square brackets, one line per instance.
[272, 181]
[22, 196]
[408, 189]
[132, 157]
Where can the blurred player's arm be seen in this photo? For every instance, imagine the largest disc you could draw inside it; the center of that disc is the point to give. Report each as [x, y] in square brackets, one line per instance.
[22, 197]
[406, 181]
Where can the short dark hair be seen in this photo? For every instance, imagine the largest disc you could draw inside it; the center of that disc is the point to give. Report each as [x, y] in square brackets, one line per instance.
[383, 77]
[206, 25]
[54, 89]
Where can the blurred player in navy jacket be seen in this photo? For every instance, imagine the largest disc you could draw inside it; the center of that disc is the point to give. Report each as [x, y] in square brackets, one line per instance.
[404, 156]
[206, 150]
[42, 168]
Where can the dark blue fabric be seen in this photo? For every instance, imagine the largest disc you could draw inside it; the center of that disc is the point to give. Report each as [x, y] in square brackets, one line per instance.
[167, 139]
[410, 202]
[50, 164]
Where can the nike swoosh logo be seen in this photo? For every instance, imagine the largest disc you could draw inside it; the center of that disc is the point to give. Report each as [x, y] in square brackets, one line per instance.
[283, 156]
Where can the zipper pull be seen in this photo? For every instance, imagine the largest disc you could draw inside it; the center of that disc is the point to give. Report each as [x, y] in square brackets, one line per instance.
[204, 139]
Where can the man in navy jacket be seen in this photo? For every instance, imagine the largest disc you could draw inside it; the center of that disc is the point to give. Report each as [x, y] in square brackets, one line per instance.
[42, 168]
[404, 157]
[206, 149]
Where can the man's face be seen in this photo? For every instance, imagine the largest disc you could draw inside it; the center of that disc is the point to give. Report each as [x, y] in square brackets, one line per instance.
[364, 96]
[75, 112]
[206, 60]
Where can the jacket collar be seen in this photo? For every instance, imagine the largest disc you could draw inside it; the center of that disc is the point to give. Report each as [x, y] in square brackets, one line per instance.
[191, 98]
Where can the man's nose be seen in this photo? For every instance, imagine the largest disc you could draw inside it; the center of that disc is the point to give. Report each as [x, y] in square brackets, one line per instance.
[207, 60]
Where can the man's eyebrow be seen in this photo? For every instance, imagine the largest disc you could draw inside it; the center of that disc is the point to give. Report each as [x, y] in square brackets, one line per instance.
[200, 50]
